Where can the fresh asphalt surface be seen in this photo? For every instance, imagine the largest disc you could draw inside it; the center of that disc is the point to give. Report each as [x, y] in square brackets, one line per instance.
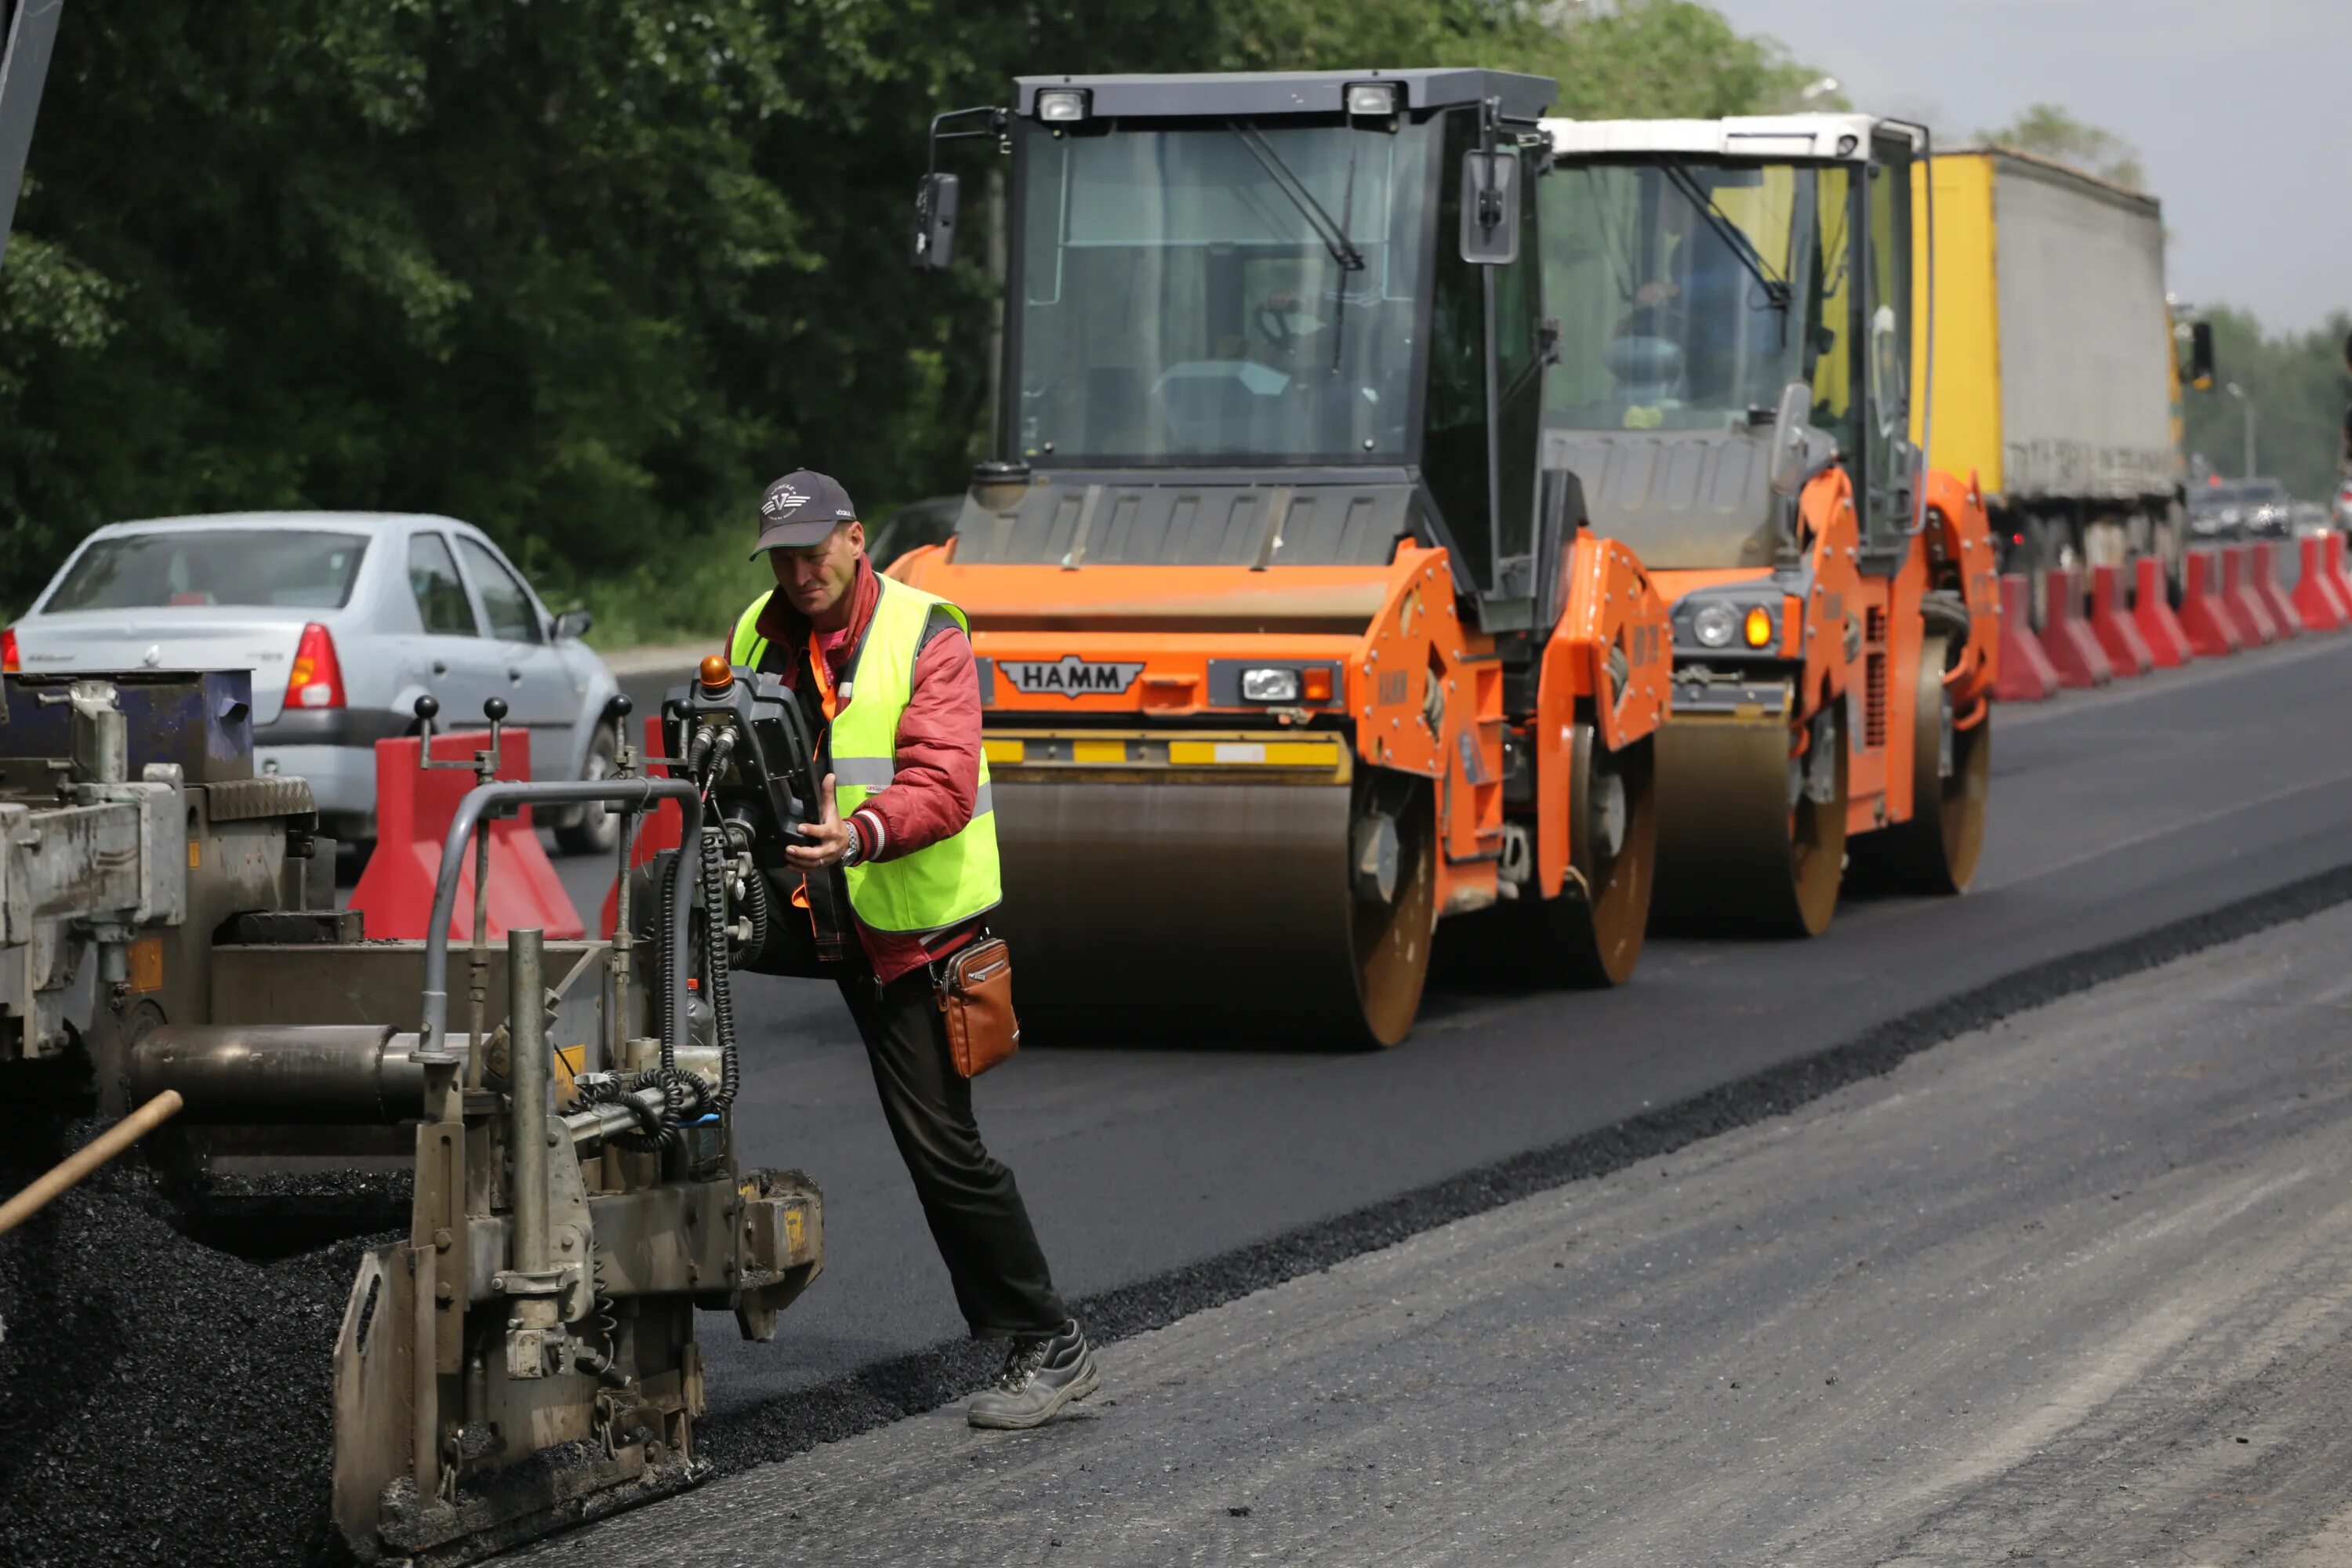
[2113, 813]
[2073, 1287]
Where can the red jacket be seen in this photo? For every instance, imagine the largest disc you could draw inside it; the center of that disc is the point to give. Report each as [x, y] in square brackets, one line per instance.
[930, 794]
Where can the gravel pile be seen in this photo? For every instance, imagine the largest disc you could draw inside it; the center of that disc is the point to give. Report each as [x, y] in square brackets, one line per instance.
[161, 1401]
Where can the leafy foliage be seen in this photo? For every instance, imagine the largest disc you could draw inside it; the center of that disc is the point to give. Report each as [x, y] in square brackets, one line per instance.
[2298, 385]
[588, 272]
[2051, 132]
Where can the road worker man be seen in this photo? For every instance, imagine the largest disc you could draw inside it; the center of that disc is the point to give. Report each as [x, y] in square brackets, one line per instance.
[888, 674]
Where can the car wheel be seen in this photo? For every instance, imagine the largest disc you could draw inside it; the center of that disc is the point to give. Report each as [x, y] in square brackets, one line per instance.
[595, 828]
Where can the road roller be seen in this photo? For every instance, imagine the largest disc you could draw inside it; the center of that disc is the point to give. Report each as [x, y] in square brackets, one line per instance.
[1734, 302]
[517, 1351]
[1292, 642]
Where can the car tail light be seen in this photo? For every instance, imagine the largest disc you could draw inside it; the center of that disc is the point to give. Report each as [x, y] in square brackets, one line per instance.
[317, 678]
[9, 663]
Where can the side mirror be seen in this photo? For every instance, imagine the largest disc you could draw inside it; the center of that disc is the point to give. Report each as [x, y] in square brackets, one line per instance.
[2200, 356]
[572, 623]
[935, 219]
[1490, 208]
[1795, 449]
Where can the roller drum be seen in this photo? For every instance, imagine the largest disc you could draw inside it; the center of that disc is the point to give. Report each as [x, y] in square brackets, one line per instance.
[1736, 854]
[1206, 912]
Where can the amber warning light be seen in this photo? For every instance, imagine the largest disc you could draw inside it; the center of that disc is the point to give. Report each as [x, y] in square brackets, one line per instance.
[715, 675]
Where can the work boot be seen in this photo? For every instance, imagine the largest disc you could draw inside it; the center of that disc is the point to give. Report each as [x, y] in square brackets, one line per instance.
[1042, 1373]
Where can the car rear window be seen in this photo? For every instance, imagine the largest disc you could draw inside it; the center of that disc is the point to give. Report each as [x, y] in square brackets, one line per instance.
[292, 568]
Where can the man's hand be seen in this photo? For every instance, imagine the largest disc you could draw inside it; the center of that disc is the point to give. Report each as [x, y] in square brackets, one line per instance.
[828, 837]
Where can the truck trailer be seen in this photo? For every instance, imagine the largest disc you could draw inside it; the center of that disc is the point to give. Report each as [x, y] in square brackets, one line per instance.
[2056, 382]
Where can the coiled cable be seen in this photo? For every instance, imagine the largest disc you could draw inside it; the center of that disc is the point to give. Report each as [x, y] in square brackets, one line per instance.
[714, 960]
[756, 908]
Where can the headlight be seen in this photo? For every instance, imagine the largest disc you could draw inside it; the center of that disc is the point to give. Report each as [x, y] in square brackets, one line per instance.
[1373, 97]
[1062, 106]
[1713, 625]
[1269, 685]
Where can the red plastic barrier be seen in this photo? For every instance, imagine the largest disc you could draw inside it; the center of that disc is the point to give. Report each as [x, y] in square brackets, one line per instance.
[2074, 652]
[2168, 642]
[2025, 675]
[658, 830]
[2319, 598]
[2246, 604]
[412, 811]
[2205, 612]
[2111, 623]
[2274, 598]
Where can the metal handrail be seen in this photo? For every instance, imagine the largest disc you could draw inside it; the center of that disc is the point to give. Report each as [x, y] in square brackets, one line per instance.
[639, 794]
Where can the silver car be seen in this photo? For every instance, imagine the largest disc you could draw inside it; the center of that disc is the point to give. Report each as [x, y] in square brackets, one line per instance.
[344, 618]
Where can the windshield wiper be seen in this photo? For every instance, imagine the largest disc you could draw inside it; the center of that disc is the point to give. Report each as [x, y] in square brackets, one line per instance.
[1334, 238]
[1777, 292]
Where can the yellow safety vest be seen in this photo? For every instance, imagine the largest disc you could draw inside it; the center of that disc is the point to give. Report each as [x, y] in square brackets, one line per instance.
[943, 884]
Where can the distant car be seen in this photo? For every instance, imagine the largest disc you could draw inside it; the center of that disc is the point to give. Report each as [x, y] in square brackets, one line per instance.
[2240, 509]
[345, 620]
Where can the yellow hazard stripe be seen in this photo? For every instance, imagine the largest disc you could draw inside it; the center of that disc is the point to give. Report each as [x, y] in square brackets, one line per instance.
[1253, 753]
[1227, 751]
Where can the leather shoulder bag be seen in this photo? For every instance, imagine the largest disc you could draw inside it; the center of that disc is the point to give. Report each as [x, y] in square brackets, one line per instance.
[975, 991]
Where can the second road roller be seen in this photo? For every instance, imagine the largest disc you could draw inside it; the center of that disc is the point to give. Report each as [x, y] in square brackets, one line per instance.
[1293, 639]
[1735, 303]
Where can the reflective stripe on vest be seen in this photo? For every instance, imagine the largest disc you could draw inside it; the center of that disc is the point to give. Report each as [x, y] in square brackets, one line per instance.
[943, 884]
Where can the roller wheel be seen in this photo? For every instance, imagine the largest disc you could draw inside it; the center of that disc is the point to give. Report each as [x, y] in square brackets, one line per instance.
[1598, 923]
[1817, 846]
[1744, 847]
[1936, 851]
[1391, 935]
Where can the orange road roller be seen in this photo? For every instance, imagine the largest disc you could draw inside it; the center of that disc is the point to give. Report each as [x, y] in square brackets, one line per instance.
[1735, 302]
[1293, 639]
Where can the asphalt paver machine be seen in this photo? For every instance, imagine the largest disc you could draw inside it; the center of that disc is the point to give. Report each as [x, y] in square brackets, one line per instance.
[1735, 304]
[1293, 640]
[522, 1355]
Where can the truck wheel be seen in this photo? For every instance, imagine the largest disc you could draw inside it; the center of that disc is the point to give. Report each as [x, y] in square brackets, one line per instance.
[1936, 851]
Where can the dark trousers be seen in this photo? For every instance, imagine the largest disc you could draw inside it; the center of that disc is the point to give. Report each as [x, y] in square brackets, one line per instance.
[974, 1209]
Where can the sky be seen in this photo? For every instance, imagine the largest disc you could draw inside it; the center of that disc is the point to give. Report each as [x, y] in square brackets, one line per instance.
[2242, 111]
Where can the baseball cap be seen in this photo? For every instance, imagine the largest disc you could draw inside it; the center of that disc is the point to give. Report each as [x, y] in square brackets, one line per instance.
[801, 509]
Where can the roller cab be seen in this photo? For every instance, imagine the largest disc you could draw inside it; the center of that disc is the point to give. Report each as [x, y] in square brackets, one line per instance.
[1291, 643]
[1733, 388]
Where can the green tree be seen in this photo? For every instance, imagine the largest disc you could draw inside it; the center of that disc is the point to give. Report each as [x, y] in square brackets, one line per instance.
[588, 272]
[2297, 384]
[2050, 130]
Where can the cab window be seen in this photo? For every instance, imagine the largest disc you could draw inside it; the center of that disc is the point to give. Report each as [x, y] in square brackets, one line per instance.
[1828, 361]
[512, 619]
[440, 595]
